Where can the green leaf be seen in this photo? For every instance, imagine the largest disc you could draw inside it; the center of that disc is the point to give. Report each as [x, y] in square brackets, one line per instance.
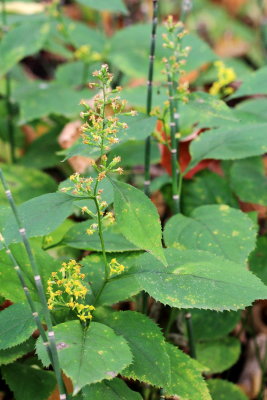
[114, 241]
[132, 153]
[29, 382]
[224, 390]
[150, 361]
[25, 183]
[88, 355]
[116, 6]
[248, 180]
[113, 291]
[47, 211]
[12, 354]
[218, 355]
[254, 107]
[111, 390]
[206, 188]
[221, 230]
[10, 286]
[253, 83]
[197, 279]
[258, 259]
[209, 325]
[21, 41]
[138, 219]
[186, 380]
[230, 143]
[16, 325]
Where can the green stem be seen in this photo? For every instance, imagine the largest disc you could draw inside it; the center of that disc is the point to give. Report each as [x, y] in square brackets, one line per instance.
[189, 326]
[40, 289]
[100, 233]
[9, 108]
[150, 92]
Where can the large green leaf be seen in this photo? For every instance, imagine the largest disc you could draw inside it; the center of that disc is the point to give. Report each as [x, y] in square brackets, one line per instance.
[101, 5]
[206, 188]
[12, 354]
[47, 211]
[113, 291]
[218, 355]
[10, 285]
[209, 324]
[88, 355]
[138, 219]
[221, 230]
[198, 279]
[258, 259]
[248, 180]
[253, 83]
[230, 143]
[114, 241]
[111, 390]
[186, 380]
[29, 382]
[25, 183]
[16, 325]
[21, 41]
[150, 361]
[224, 390]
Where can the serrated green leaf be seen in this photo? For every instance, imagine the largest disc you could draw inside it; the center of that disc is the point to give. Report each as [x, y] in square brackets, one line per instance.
[114, 241]
[16, 325]
[25, 183]
[21, 41]
[116, 6]
[253, 83]
[12, 354]
[218, 355]
[209, 325]
[221, 230]
[150, 361]
[138, 219]
[230, 143]
[47, 211]
[186, 380]
[88, 355]
[206, 188]
[29, 382]
[111, 390]
[198, 279]
[248, 180]
[224, 390]
[10, 286]
[113, 291]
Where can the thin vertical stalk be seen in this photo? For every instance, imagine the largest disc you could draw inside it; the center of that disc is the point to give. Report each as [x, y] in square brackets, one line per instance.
[9, 108]
[189, 326]
[150, 92]
[40, 289]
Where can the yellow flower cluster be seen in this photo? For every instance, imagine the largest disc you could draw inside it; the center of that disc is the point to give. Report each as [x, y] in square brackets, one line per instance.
[86, 54]
[225, 77]
[116, 267]
[65, 289]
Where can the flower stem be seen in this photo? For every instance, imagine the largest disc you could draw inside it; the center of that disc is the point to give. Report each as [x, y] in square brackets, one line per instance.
[40, 289]
[150, 92]
[189, 326]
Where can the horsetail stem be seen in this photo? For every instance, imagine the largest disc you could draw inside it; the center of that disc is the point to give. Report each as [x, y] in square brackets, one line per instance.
[39, 287]
[9, 108]
[150, 93]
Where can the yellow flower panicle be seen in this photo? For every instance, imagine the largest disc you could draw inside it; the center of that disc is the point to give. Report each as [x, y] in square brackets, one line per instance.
[225, 77]
[116, 267]
[65, 289]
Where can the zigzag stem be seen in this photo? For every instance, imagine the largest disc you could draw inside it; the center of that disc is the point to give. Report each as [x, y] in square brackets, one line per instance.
[150, 93]
[40, 290]
[9, 109]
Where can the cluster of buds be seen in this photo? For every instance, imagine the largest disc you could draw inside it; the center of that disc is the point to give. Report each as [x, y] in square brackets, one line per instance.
[115, 267]
[225, 77]
[65, 289]
[175, 63]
